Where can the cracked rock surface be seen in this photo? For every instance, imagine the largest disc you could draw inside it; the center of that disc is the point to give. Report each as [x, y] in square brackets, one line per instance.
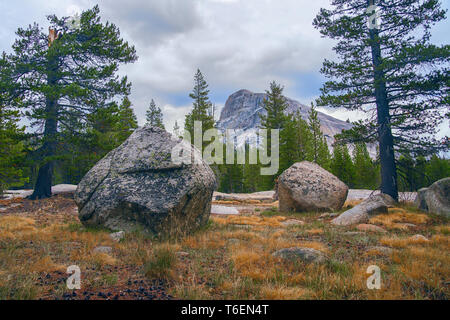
[138, 186]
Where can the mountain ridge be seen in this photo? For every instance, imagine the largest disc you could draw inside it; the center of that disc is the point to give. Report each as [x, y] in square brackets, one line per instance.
[242, 109]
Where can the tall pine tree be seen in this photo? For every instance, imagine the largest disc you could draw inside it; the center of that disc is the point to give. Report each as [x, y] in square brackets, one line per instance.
[63, 77]
[202, 107]
[275, 106]
[365, 174]
[390, 67]
[318, 151]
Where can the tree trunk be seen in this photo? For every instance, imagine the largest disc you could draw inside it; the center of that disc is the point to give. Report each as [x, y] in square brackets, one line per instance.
[43, 186]
[385, 139]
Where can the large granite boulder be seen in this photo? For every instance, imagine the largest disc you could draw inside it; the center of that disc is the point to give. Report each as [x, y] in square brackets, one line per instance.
[360, 213]
[306, 186]
[138, 186]
[436, 198]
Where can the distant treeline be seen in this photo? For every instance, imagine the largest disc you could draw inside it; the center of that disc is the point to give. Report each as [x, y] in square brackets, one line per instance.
[300, 139]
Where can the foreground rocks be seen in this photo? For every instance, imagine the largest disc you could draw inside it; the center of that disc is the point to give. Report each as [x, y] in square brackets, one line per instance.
[305, 186]
[360, 213]
[138, 186]
[436, 198]
[307, 255]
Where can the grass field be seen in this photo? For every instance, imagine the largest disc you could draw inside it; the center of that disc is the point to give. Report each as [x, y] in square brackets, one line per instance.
[230, 258]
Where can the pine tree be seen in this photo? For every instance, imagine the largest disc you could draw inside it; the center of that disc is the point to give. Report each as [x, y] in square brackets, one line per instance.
[318, 151]
[365, 170]
[251, 173]
[304, 138]
[154, 116]
[202, 107]
[127, 121]
[391, 68]
[437, 168]
[105, 129]
[60, 80]
[275, 106]
[342, 165]
[11, 149]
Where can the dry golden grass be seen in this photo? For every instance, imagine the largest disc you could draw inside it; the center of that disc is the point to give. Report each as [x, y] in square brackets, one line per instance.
[13, 227]
[46, 264]
[271, 292]
[443, 229]
[351, 203]
[396, 216]
[218, 268]
[204, 241]
[314, 231]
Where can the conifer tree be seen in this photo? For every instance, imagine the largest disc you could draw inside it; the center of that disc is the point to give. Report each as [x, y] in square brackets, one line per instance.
[12, 149]
[275, 106]
[105, 129]
[318, 151]
[437, 168]
[59, 80]
[392, 68]
[342, 165]
[365, 170]
[154, 116]
[202, 106]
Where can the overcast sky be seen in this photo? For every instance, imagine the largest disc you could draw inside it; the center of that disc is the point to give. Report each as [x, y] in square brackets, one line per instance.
[237, 44]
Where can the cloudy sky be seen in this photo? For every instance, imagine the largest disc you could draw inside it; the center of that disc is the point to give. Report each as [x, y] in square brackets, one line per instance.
[236, 44]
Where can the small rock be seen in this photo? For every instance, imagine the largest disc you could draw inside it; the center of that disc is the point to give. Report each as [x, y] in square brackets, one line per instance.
[292, 222]
[370, 228]
[419, 237]
[103, 249]
[360, 213]
[307, 255]
[117, 236]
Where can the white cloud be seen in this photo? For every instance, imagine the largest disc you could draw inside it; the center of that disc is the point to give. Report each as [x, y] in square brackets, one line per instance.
[236, 43]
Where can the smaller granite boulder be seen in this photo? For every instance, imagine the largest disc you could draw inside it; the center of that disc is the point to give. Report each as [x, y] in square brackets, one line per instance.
[306, 186]
[307, 255]
[436, 198]
[360, 213]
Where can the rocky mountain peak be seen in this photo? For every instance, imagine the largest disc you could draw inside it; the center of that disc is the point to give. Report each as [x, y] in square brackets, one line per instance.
[242, 109]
